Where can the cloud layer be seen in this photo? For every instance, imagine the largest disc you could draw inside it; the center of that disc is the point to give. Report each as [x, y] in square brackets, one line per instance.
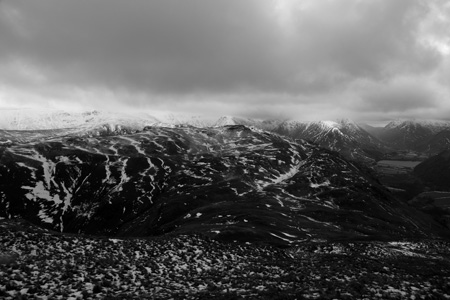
[298, 58]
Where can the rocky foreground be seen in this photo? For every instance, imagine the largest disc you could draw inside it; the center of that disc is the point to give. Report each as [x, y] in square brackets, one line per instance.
[39, 264]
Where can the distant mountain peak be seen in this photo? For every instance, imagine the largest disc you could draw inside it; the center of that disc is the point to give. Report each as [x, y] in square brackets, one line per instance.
[335, 126]
[226, 120]
[399, 123]
[329, 124]
[342, 135]
[257, 123]
[347, 122]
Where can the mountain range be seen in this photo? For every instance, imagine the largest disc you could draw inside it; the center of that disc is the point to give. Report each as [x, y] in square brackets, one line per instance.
[230, 182]
[429, 137]
[355, 141]
[343, 136]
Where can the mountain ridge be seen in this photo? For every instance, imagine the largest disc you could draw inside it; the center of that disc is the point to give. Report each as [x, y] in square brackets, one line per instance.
[343, 136]
[231, 182]
[416, 135]
[360, 142]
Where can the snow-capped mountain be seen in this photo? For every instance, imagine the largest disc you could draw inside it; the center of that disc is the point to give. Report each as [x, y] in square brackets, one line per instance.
[229, 120]
[22, 125]
[434, 125]
[33, 119]
[344, 136]
[357, 142]
[419, 135]
[231, 183]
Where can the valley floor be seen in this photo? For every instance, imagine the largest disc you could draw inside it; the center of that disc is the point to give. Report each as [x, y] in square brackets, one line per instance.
[38, 264]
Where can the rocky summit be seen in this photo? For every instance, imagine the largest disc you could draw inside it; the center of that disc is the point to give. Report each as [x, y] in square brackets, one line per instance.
[230, 183]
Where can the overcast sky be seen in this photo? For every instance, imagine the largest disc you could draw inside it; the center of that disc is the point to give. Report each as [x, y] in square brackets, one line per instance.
[304, 59]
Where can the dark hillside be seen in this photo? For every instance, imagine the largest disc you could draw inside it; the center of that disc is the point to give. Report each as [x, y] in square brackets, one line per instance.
[230, 183]
[435, 171]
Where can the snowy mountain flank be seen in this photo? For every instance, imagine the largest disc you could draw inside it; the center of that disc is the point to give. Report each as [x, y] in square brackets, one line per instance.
[231, 183]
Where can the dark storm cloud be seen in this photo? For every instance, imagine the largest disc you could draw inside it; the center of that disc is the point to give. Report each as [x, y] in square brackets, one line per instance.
[165, 46]
[295, 56]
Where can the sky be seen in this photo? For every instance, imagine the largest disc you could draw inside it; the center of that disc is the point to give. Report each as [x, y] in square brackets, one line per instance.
[368, 60]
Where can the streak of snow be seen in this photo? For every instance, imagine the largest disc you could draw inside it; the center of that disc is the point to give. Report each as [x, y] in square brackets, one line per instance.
[320, 222]
[107, 170]
[317, 185]
[44, 217]
[289, 235]
[135, 144]
[281, 238]
[123, 175]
